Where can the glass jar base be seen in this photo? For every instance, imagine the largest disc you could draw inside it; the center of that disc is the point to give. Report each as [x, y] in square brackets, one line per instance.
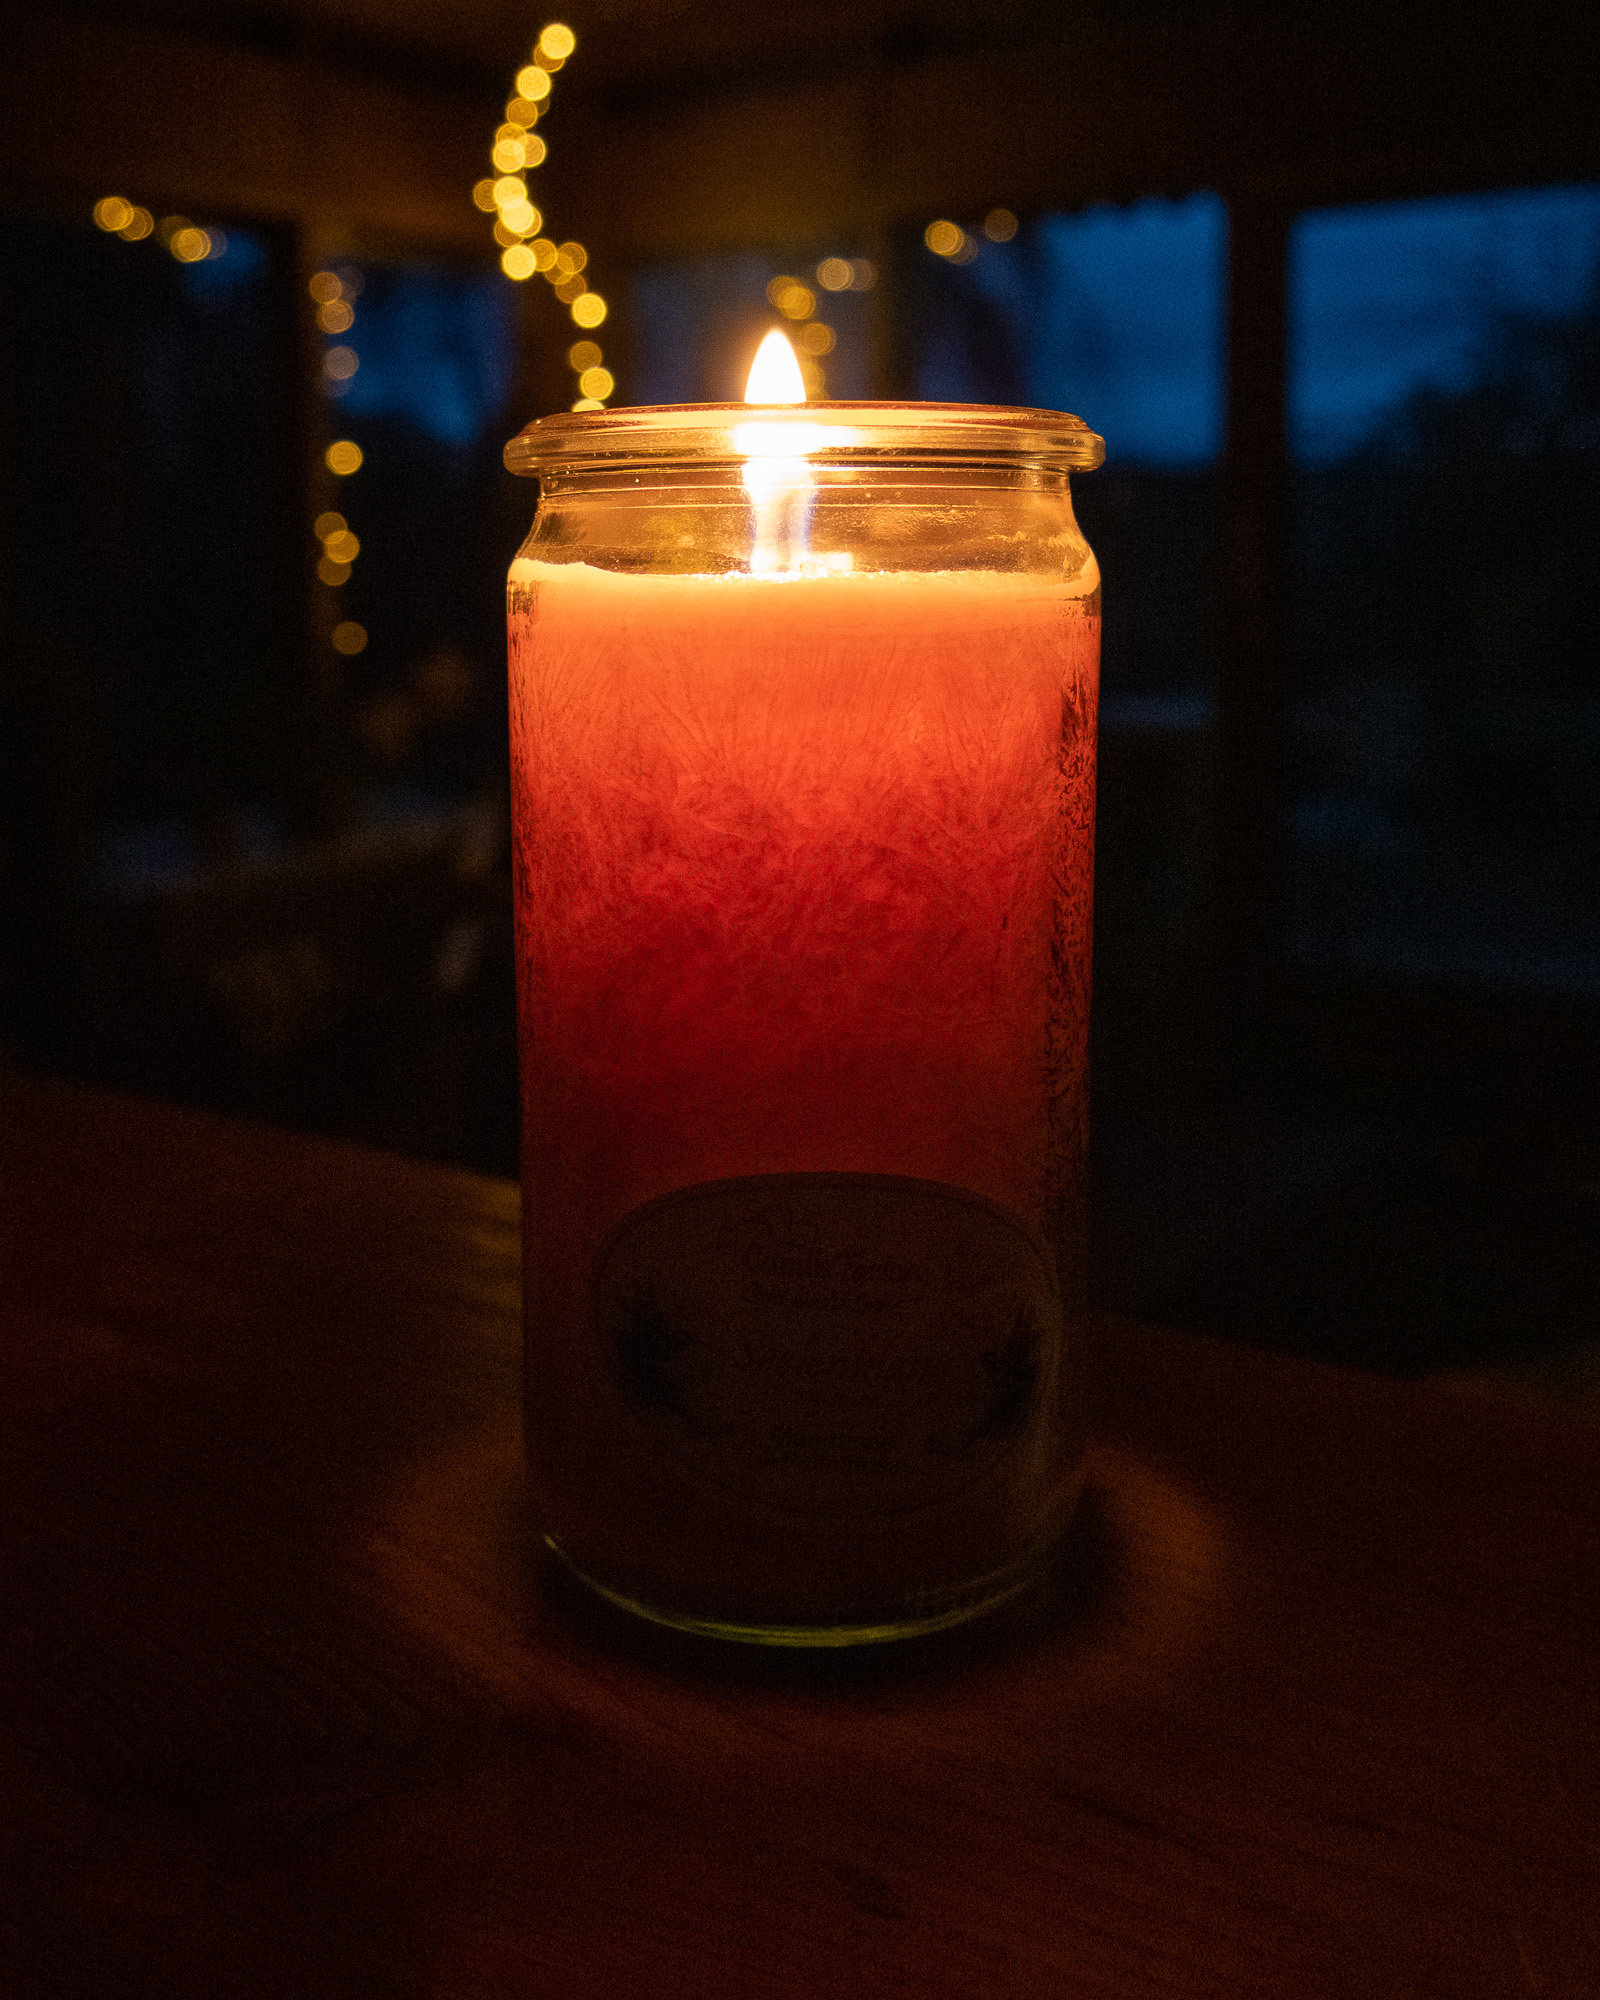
[987, 1595]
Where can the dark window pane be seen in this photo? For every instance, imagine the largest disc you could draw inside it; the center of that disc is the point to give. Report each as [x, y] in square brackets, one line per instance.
[1117, 315]
[1445, 417]
[149, 422]
[418, 641]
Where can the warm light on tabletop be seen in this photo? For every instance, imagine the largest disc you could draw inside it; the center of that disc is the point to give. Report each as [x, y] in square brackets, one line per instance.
[803, 737]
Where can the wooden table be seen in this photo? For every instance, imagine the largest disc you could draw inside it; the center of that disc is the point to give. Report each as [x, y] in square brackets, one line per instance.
[1310, 1708]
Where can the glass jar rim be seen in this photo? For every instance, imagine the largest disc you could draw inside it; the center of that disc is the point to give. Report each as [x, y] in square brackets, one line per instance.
[708, 433]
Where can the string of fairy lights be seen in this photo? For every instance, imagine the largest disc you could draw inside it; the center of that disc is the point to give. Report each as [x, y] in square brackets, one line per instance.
[516, 151]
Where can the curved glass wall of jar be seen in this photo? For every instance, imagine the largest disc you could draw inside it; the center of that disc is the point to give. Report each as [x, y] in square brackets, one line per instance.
[803, 713]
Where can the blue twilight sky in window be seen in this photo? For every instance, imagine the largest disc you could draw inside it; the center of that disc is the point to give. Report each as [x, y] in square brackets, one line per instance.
[434, 346]
[1116, 314]
[1397, 297]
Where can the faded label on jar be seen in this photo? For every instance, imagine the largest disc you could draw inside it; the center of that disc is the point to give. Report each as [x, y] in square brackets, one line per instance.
[833, 1344]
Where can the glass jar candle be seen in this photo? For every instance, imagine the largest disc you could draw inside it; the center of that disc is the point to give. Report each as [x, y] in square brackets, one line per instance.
[803, 751]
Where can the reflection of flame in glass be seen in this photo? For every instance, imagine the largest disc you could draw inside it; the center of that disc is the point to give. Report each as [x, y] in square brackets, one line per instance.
[775, 474]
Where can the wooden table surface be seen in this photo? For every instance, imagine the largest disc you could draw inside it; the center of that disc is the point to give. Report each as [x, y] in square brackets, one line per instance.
[1310, 1708]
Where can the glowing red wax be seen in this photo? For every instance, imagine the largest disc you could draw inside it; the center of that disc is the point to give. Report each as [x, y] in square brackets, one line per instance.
[803, 885]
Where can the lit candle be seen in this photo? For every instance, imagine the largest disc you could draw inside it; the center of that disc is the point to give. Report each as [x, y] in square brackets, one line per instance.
[803, 752]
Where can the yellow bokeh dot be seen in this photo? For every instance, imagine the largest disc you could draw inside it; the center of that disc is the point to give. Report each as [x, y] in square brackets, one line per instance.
[113, 213]
[521, 217]
[590, 310]
[335, 317]
[344, 457]
[584, 354]
[816, 338]
[342, 548]
[522, 112]
[533, 83]
[999, 225]
[517, 262]
[597, 382]
[944, 239]
[534, 151]
[510, 187]
[544, 254]
[324, 286]
[333, 573]
[138, 226]
[508, 155]
[834, 274]
[558, 40]
[587, 403]
[568, 290]
[572, 256]
[798, 302]
[328, 524]
[349, 637]
[483, 196]
[777, 288]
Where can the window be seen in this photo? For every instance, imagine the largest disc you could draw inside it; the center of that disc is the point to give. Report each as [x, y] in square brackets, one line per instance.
[417, 366]
[148, 421]
[1116, 314]
[1445, 429]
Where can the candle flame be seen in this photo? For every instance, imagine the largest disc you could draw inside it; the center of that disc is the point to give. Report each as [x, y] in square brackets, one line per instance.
[775, 374]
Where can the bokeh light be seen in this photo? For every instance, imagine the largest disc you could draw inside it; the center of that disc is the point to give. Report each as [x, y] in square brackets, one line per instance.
[349, 637]
[816, 338]
[533, 83]
[863, 274]
[522, 112]
[344, 457]
[568, 289]
[325, 286]
[944, 239]
[339, 364]
[113, 214]
[483, 196]
[597, 382]
[584, 354]
[341, 548]
[521, 217]
[572, 257]
[534, 151]
[328, 524]
[587, 403]
[544, 254]
[138, 226]
[590, 310]
[508, 155]
[793, 300]
[834, 274]
[999, 225]
[335, 317]
[558, 40]
[517, 262]
[189, 246]
[333, 573]
[510, 187]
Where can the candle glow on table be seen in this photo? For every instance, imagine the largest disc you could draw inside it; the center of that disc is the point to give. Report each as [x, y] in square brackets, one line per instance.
[804, 876]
